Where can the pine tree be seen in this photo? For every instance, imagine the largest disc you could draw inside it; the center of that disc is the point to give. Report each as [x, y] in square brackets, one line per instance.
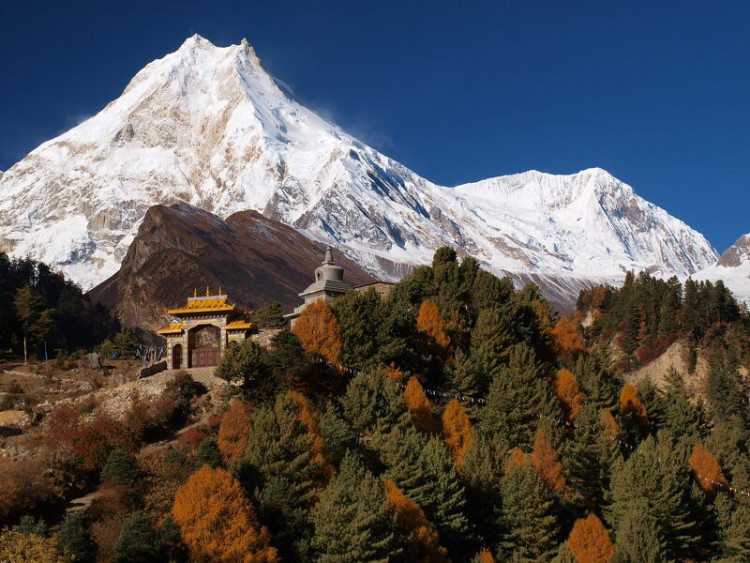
[733, 516]
[139, 542]
[527, 516]
[353, 520]
[280, 449]
[319, 457]
[422, 469]
[123, 341]
[245, 363]
[217, 521]
[589, 542]
[546, 463]
[35, 321]
[358, 313]
[457, 431]
[639, 537]
[269, 316]
[31, 526]
[589, 458]
[120, 467]
[74, 538]
[480, 476]
[338, 435]
[319, 332]
[653, 474]
[516, 394]
[208, 454]
[373, 403]
[596, 381]
[419, 407]
[682, 419]
[446, 502]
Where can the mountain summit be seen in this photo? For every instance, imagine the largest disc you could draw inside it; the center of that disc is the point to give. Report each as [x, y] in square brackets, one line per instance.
[208, 126]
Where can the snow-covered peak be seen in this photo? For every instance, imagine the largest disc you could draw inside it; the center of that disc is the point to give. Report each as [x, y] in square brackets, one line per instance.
[208, 126]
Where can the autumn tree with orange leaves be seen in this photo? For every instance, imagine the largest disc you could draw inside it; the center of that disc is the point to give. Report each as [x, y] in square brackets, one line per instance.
[707, 471]
[419, 407]
[457, 431]
[589, 542]
[217, 522]
[319, 332]
[423, 541]
[432, 325]
[234, 431]
[631, 406]
[547, 465]
[567, 342]
[567, 390]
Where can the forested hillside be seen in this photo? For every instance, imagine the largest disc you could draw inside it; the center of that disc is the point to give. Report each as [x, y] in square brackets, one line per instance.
[44, 307]
[455, 419]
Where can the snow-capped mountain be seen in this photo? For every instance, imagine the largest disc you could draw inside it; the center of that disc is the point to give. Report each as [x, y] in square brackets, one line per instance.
[733, 268]
[209, 126]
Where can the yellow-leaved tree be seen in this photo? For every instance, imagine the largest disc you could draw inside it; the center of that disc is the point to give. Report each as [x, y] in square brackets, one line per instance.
[589, 542]
[457, 431]
[217, 522]
[567, 342]
[631, 405]
[707, 470]
[569, 394]
[319, 331]
[419, 407]
[547, 465]
[423, 543]
[30, 548]
[233, 431]
[432, 325]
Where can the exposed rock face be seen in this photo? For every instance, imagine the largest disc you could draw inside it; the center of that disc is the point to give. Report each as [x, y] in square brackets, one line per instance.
[736, 254]
[180, 249]
[209, 127]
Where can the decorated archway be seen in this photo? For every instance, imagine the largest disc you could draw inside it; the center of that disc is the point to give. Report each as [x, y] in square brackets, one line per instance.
[176, 357]
[205, 345]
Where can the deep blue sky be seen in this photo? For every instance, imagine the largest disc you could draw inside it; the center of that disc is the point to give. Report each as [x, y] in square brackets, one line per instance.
[656, 92]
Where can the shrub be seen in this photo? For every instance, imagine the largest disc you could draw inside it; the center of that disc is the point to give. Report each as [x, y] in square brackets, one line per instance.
[208, 454]
[139, 541]
[120, 467]
[75, 538]
[17, 547]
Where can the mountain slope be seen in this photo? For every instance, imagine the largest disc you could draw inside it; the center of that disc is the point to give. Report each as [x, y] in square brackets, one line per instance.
[208, 126]
[179, 249]
[733, 267]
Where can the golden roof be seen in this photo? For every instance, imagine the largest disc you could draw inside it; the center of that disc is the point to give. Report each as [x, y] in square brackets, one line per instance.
[208, 304]
[171, 329]
[239, 325]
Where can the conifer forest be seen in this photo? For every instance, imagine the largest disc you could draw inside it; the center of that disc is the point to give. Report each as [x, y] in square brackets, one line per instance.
[456, 418]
